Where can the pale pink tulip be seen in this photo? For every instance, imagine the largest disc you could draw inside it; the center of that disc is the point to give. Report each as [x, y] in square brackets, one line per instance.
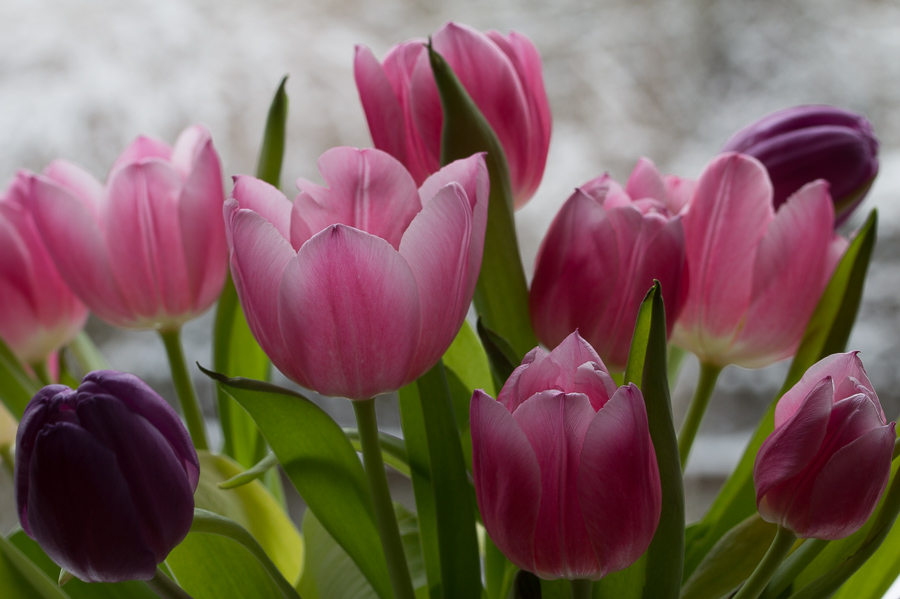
[502, 74]
[147, 250]
[361, 286]
[822, 471]
[755, 276]
[600, 257]
[38, 312]
[565, 471]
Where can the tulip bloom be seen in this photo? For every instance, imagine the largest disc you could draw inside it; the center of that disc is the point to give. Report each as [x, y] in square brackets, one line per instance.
[148, 250]
[755, 276]
[501, 73]
[105, 477]
[361, 286]
[602, 253]
[38, 312]
[804, 143]
[565, 471]
[822, 471]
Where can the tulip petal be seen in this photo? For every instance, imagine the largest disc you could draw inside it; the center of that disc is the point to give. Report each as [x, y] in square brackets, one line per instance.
[645, 181]
[384, 113]
[507, 479]
[78, 181]
[140, 149]
[679, 191]
[267, 201]
[348, 307]
[618, 481]
[846, 370]
[592, 380]
[573, 350]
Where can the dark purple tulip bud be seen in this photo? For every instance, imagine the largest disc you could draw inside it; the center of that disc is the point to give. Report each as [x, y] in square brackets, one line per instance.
[105, 477]
[804, 143]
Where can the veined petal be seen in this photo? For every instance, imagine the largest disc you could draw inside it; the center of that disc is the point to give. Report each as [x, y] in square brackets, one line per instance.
[384, 113]
[646, 181]
[569, 355]
[846, 370]
[188, 149]
[78, 181]
[266, 200]
[141, 149]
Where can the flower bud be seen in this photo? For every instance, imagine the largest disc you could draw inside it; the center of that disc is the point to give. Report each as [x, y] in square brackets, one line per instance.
[801, 144]
[105, 477]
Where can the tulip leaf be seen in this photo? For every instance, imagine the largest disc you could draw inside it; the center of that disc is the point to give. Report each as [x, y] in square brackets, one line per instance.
[393, 450]
[253, 473]
[499, 572]
[826, 333]
[271, 152]
[321, 463]
[441, 485]
[501, 296]
[502, 356]
[16, 386]
[20, 578]
[87, 354]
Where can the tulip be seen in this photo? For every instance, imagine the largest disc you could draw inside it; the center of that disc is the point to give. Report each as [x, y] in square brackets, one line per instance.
[565, 471]
[105, 476]
[804, 143]
[361, 286]
[600, 256]
[755, 276]
[822, 471]
[38, 312]
[501, 73]
[148, 249]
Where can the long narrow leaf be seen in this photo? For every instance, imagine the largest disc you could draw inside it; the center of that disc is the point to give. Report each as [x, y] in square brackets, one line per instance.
[16, 386]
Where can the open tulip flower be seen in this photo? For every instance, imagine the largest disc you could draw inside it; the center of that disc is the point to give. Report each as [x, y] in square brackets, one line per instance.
[38, 311]
[602, 253]
[360, 286]
[148, 249]
[822, 471]
[502, 74]
[565, 472]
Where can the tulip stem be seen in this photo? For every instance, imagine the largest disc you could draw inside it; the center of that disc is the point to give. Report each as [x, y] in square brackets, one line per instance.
[381, 498]
[165, 587]
[582, 588]
[709, 374]
[778, 550]
[42, 372]
[184, 387]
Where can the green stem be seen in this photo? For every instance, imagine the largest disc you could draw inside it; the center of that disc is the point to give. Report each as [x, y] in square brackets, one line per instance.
[381, 498]
[184, 387]
[709, 373]
[6, 455]
[165, 587]
[582, 588]
[42, 372]
[778, 550]
[793, 566]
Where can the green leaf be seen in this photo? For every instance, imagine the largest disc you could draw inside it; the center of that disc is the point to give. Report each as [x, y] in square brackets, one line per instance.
[271, 152]
[501, 296]
[393, 449]
[502, 357]
[318, 458]
[20, 578]
[826, 334]
[256, 472]
[499, 572]
[16, 386]
[87, 354]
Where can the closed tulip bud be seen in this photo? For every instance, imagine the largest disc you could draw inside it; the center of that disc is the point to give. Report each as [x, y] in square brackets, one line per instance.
[38, 312]
[147, 250]
[801, 144]
[822, 471]
[105, 476]
[502, 74]
[359, 287]
[602, 253]
[565, 471]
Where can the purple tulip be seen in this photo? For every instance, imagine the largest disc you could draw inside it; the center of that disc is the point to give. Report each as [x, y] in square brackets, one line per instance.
[822, 471]
[565, 470]
[801, 144]
[105, 477]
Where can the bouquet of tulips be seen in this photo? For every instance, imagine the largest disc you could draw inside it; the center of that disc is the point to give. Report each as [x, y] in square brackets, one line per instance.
[537, 432]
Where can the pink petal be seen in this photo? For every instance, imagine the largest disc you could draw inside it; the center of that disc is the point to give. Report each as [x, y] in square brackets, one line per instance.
[645, 181]
[507, 479]
[78, 181]
[679, 191]
[349, 311]
[140, 149]
[384, 113]
[618, 481]
[190, 145]
[569, 355]
[266, 200]
[508, 395]
[592, 380]
[846, 370]
[366, 189]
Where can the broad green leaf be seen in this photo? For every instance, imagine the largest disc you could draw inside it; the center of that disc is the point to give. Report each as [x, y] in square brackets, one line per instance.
[393, 450]
[321, 463]
[827, 333]
[16, 386]
[501, 297]
[21, 578]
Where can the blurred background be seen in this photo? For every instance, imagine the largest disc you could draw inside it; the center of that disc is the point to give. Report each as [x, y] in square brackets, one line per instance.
[666, 79]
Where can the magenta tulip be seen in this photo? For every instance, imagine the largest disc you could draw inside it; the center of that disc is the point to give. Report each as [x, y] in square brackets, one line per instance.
[755, 276]
[804, 143]
[105, 477]
[565, 470]
[601, 256]
[147, 250]
[38, 312]
[501, 73]
[822, 471]
[362, 285]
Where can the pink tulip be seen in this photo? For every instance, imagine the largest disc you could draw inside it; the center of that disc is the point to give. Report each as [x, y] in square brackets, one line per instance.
[601, 255]
[362, 285]
[755, 276]
[148, 250]
[501, 73]
[822, 471]
[565, 470]
[38, 312]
